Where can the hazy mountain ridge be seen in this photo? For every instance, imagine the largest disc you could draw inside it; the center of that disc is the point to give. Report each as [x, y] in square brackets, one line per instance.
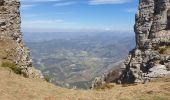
[81, 58]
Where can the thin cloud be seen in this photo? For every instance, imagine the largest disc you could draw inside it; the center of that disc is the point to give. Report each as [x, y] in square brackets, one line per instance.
[64, 3]
[51, 2]
[27, 6]
[99, 2]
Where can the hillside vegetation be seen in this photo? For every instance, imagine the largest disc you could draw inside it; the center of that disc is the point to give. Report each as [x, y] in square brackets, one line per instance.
[75, 62]
[16, 87]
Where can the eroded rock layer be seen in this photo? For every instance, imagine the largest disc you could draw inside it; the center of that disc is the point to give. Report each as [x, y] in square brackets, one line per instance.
[11, 45]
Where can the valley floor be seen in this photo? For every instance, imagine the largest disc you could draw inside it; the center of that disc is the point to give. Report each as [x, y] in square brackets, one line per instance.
[15, 87]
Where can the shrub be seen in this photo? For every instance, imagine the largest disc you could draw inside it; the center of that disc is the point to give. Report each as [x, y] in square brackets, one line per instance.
[47, 78]
[12, 66]
[160, 98]
[126, 85]
[106, 86]
[162, 50]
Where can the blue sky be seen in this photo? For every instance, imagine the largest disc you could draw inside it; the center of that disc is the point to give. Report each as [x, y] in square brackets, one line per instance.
[78, 15]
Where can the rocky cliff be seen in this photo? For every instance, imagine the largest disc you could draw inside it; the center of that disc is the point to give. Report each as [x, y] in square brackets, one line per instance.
[151, 57]
[11, 45]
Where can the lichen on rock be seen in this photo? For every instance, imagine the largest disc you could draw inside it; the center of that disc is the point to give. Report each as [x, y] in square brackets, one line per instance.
[11, 44]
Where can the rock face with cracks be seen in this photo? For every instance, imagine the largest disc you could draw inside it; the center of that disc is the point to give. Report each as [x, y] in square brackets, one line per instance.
[11, 44]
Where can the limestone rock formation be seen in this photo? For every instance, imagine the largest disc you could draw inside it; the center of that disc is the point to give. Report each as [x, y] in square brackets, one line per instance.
[11, 44]
[151, 57]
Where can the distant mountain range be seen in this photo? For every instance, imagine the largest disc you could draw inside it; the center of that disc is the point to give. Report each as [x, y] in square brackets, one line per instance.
[74, 59]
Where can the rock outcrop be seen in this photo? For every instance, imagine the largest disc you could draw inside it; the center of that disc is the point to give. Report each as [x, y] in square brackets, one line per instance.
[151, 57]
[11, 44]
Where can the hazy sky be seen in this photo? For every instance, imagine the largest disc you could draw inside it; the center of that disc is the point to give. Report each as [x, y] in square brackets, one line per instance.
[72, 15]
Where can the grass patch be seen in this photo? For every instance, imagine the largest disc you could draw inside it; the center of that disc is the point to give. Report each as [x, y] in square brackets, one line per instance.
[163, 49]
[106, 86]
[12, 66]
[148, 97]
[126, 85]
[160, 98]
[46, 78]
[3, 54]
